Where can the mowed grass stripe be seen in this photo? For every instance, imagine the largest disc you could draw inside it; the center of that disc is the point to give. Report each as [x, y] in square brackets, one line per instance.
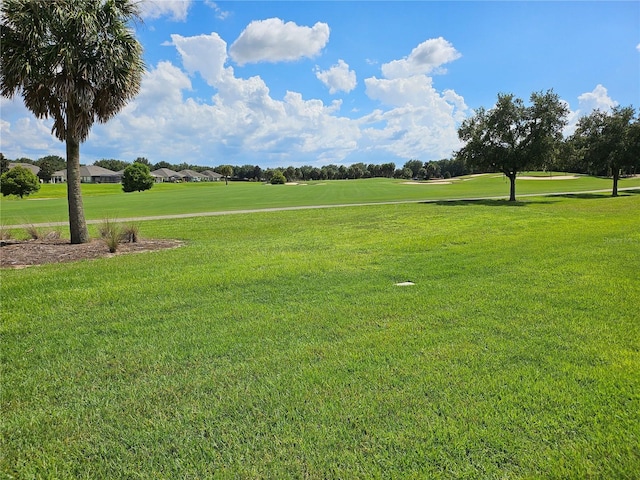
[276, 345]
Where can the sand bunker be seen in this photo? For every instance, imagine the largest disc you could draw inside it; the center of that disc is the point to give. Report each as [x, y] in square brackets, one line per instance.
[435, 182]
[558, 177]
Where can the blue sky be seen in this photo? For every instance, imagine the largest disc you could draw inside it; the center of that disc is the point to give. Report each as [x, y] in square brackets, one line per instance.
[295, 83]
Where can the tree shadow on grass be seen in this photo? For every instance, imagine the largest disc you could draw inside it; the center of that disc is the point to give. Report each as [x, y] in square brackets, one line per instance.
[596, 196]
[583, 196]
[486, 203]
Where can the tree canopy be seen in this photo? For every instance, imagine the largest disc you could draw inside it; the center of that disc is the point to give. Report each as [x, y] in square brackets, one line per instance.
[512, 137]
[76, 61]
[609, 141]
[136, 177]
[19, 181]
[112, 164]
[4, 164]
[48, 165]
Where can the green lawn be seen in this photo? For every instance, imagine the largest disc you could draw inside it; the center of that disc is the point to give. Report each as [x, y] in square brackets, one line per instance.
[102, 201]
[276, 345]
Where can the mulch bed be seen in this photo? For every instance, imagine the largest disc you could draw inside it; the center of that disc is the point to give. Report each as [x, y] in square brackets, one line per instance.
[25, 253]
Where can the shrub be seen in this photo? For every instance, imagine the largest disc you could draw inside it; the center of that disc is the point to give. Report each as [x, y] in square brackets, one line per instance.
[105, 227]
[32, 232]
[136, 177]
[5, 233]
[131, 233]
[111, 233]
[278, 178]
[19, 181]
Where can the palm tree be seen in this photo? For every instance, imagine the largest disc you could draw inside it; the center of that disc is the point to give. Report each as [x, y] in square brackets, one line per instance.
[76, 61]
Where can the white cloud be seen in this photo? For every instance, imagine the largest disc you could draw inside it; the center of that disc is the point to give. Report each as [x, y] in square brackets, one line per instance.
[638, 47]
[205, 54]
[273, 40]
[175, 9]
[338, 77]
[162, 85]
[23, 135]
[422, 122]
[426, 58]
[598, 99]
[241, 122]
[220, 14]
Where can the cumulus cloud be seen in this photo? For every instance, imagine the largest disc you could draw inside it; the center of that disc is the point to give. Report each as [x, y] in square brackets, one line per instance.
[426, 58]
[597, 99]
[242, 122]
[273, 40]
[338, 77]
[638, 47]
[205, 54]
[175, 9]
[23, 135]
[421, 121]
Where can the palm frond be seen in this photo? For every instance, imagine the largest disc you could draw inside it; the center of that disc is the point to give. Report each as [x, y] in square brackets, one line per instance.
[76, 61]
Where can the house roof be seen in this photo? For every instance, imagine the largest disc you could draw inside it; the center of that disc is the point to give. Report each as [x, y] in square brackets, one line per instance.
[34, 168]
[95, 171]
[165, 173]
[191, 174]
[212, 174]
[89, 171]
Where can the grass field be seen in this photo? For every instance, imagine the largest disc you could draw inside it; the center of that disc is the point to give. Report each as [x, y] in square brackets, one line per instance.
[276, 345]
[101, 201]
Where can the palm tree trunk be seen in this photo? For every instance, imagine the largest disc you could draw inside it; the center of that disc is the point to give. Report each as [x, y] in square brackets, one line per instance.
[616, 176]
[77, 223]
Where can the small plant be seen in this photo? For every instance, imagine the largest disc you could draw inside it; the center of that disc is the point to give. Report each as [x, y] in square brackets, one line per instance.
[131, 233]
[32, 232]
[5, 233]
[111, 233]
[113, 239]
[105, 227]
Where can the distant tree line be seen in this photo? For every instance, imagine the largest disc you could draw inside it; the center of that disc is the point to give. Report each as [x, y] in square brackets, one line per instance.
[412, 169]
[510, 138]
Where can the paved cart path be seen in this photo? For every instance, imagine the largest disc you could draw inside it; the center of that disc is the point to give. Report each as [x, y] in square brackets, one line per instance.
[312, 207]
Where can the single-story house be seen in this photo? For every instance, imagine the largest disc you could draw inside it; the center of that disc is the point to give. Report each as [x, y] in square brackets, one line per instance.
[166, 175]
[192, 176]
[34, 168]
[89, 174]
[157, 178]
[95, 174]
[59, 177]
[212, 176]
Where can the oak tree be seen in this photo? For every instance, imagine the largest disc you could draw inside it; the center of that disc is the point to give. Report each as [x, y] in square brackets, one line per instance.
[513, 137]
